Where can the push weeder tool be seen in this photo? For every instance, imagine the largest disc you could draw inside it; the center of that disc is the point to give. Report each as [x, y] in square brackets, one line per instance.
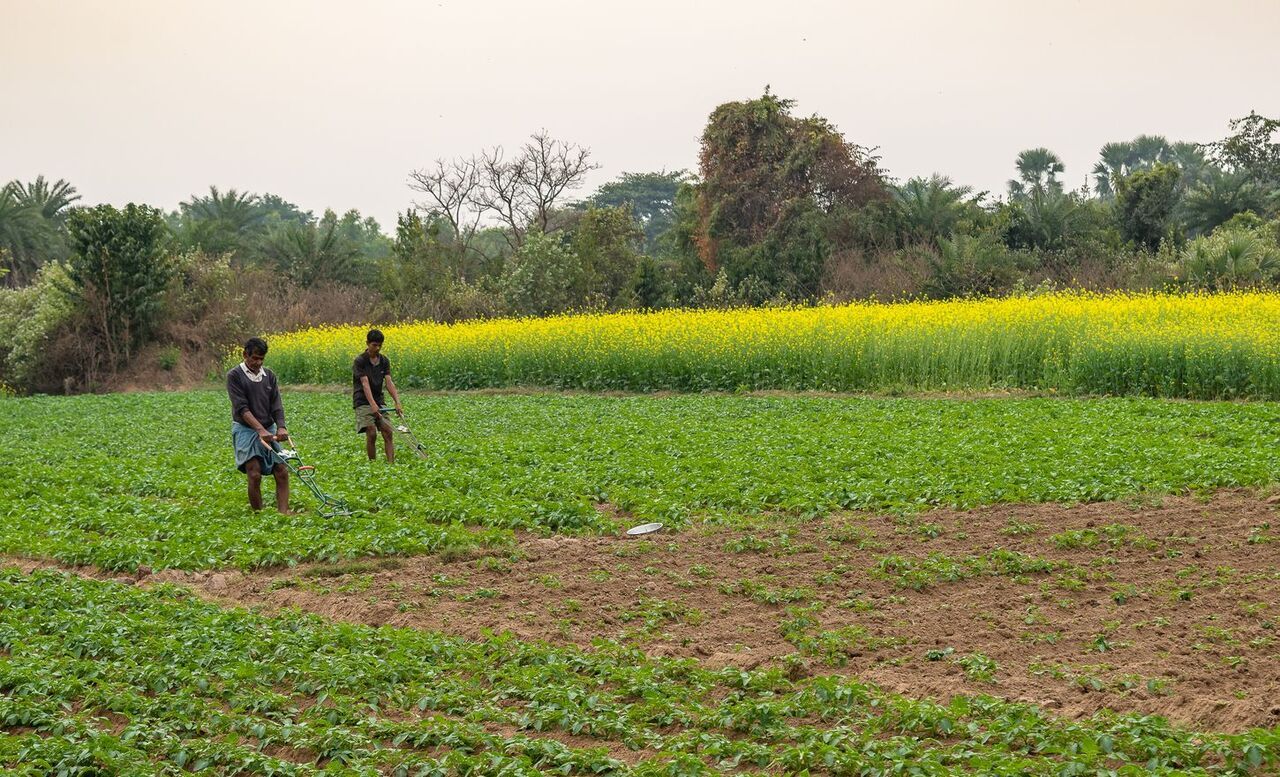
[404, 431]
[330, 507]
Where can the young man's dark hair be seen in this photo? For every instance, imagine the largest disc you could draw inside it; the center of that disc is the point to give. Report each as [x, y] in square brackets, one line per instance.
[375, 336]
[255, 346]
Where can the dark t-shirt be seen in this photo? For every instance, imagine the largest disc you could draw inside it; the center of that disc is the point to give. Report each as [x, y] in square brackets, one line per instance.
[261, 398]
[362, 367]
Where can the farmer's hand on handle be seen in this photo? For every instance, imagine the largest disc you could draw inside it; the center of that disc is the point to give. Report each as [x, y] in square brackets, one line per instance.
[266, 438]
[399, 410]
[282, 434]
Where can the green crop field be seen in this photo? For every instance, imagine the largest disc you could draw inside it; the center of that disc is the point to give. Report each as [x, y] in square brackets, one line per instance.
[141, 682]
[100, 677]
[147, 479]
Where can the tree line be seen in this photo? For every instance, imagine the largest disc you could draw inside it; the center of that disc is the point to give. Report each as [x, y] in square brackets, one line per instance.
[782, 209]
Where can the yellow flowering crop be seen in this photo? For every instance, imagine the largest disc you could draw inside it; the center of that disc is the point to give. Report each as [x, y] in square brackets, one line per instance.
[1198, 346]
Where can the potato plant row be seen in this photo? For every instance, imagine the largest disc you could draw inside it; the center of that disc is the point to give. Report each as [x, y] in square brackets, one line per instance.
[104, 678]
[126, 480]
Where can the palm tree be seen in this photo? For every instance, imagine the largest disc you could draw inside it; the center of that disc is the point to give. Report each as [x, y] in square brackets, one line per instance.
[223, 223]
[1231, 260]
[1051, 218]
[53, 201]
[1038, 170]
[312, 253]
[1147, 150]
[966, 265]
[1118, 160]
[1193, 161]
[933, 206]
[26, 239]
[239, 211]
[1111, 167]
[1217, 197]
[1043, 219]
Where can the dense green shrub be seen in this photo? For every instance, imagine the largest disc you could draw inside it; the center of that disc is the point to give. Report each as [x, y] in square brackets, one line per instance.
[543, 277]
[1238, 254]
[33, 321]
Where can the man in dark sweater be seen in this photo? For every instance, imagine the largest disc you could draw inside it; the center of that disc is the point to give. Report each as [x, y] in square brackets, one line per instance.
[369, 372]
[257, 423]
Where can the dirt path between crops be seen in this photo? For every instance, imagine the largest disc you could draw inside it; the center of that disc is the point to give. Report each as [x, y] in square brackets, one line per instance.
[1170, 607]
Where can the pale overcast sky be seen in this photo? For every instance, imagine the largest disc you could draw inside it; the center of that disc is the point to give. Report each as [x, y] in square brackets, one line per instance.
[332, 103]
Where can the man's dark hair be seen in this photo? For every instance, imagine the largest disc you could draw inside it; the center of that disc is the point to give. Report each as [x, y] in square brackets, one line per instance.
[255, 346]
[375, 336]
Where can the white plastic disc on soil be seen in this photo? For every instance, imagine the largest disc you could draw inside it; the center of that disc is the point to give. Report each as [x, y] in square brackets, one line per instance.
[644, 528]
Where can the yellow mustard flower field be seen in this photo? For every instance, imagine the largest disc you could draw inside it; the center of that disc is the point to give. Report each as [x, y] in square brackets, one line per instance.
[1202, 346]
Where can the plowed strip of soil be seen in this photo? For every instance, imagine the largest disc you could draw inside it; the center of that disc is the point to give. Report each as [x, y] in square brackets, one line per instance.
[1168, 607]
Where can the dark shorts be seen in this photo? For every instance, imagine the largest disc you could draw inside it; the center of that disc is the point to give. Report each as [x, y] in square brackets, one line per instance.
[249, 446]
[364, 419]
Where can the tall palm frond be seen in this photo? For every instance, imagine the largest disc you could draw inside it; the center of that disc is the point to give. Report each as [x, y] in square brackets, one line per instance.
[933, 206]
[1038, 169]
[1147, 150]
[1112, 166]
[1217, 197]
[239, 211]
[52, 201]
[1227, 261]
[1192, 159]
[26, 238]
[312, 253]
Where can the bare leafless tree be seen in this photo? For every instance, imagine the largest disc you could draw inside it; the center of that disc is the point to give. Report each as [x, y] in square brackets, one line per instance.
[523, 192]
[550, 168]
[520, 193]
[501, 193]
[452, 188]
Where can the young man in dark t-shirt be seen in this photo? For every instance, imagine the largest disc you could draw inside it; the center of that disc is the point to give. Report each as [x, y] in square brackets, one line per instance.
[257, 422]
[369, 372]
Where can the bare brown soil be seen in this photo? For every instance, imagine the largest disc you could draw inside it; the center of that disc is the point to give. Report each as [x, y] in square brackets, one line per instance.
[1169, 607]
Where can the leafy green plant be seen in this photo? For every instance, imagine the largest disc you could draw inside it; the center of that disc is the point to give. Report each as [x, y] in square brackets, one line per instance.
[979, 667]
[761, 592]
[1260, 534]
[922, 573]
[1015, 528]
[748, 543]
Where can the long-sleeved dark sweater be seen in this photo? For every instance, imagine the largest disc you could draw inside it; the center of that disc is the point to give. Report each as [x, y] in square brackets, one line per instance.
[261, 398]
